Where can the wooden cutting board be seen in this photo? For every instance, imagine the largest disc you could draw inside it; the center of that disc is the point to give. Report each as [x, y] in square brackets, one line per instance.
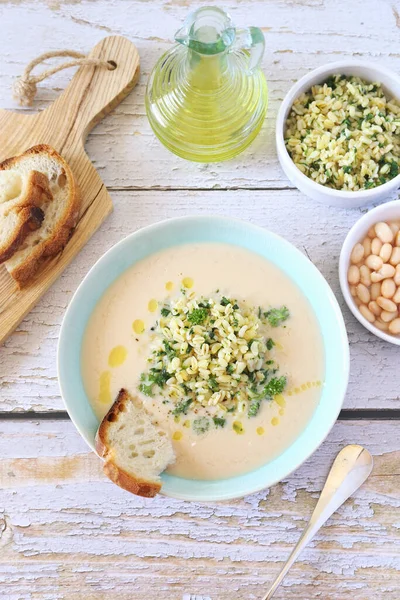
[92, 93]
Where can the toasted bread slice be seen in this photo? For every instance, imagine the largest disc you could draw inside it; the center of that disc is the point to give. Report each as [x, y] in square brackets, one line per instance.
[23, 196]
[60, 215]
[135, 449]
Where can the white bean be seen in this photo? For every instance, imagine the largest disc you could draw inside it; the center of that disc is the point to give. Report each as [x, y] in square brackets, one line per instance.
[374, 262]
[363, 293]
[376, 246]
[367, 246]
[365, 275]
[371, 232]
[364, 310]
[395, 258]
[397, 275]
[353, 275]
[374, 308]
[353, 290]
[357, 254]
[376, 277]
[388, 316]
[397, 239]
[375, 290]
[381, 325]
[394, 326]
[388, 288]
[394, 227]
[386, 252]
[396, 297]
[383, 232]
[386, 304]
[387, 271]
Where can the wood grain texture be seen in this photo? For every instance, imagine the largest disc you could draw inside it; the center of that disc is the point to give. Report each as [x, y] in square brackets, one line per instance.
[64, 125]
[66, 531]
[28, 378]
[300, 35]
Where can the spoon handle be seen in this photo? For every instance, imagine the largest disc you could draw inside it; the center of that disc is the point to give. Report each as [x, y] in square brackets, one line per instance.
[351, 468]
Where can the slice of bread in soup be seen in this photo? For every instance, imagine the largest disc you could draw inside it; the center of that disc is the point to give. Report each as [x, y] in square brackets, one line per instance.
[134, 447]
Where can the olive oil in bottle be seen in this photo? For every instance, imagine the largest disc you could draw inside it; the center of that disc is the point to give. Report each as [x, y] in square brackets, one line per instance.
[207, 97]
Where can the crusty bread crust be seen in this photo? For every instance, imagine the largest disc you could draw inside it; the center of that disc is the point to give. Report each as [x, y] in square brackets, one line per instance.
[30, 215]
[128, 483]
[115, 473]
[52, 246]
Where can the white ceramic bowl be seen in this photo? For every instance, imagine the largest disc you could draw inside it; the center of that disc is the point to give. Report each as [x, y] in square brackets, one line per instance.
[385, 212]
[369, 71]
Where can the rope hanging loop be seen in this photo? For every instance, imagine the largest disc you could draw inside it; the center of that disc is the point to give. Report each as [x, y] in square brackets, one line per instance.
[25, 87]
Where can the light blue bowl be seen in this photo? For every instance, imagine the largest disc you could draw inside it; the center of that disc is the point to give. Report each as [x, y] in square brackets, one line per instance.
[185, 230]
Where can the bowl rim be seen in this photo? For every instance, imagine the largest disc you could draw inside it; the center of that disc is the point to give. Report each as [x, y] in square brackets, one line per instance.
[361, 227]
[285, 106]
[330, 416]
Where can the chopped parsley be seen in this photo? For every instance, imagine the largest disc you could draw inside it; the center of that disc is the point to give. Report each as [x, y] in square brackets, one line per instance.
[276, 316]
[204, 305]
[347, 169]
[201, 425]
[254, 407]
[275, 386]
[270, 343]
[146, 389]
[165, 312]
[331, 82]
[169, 351]
[225, 301]
[198, 316]
[213, 384]
[159, 376]
[394, 169]
[219, 421]
[182, 407]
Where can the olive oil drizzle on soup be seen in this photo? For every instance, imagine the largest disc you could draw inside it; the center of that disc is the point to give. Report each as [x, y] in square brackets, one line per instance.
[119, 338]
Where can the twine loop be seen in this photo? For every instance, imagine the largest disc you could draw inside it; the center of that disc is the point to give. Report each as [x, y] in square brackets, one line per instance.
[25, 87]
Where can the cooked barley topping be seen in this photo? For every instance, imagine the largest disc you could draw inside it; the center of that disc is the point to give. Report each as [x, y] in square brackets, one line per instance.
[345, 134]
[214, 353]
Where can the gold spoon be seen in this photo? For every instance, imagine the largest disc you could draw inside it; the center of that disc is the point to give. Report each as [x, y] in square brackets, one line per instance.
[351, 468]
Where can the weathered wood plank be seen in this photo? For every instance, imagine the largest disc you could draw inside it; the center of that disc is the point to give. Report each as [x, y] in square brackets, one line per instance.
[300, 35]
[28, 359]
[67, 531]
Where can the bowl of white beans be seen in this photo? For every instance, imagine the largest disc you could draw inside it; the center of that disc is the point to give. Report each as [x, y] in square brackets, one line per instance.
[369, 271]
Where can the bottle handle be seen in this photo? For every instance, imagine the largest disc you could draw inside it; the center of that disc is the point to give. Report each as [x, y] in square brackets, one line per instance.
[251, 38]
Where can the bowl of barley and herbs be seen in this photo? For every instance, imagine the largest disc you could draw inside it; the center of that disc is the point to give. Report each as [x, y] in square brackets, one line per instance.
[338, 134]
[369, 271]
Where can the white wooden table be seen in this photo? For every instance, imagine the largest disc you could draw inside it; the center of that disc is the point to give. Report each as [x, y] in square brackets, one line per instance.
[66, 532]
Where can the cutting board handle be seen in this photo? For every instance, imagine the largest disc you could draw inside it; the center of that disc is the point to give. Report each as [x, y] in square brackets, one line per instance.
[95, 91]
